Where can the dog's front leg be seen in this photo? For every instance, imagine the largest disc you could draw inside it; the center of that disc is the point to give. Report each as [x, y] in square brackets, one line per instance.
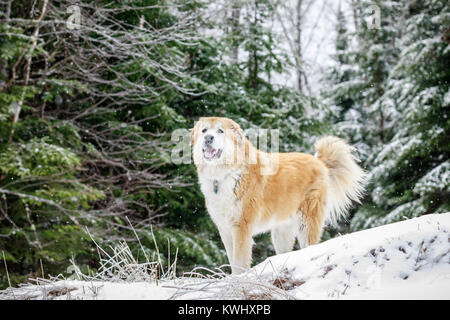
[227, 240]
[242, 248]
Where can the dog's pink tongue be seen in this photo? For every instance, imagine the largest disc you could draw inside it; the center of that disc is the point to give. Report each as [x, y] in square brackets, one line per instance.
[210, 153]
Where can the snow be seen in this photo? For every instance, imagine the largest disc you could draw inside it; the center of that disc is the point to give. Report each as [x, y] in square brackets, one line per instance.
[408, 259]
[123, 291]
[403, 260]
[436, 179]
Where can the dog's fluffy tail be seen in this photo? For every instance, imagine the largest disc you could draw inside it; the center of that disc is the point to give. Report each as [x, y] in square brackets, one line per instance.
[346, 178]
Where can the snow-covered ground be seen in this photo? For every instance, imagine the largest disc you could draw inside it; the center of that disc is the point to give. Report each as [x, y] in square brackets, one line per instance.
[404, 260]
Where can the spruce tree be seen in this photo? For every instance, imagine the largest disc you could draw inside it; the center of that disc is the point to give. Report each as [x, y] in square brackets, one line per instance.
[410, 174]
[343, 86]
[356, 81]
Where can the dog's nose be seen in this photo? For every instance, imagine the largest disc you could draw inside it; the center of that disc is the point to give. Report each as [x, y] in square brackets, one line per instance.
[209, 139]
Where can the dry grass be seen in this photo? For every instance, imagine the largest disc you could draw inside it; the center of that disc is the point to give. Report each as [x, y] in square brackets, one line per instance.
[210, 284]
[118, 264]
[39, 289]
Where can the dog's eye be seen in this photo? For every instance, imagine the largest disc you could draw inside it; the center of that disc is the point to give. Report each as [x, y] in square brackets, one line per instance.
[204, 130]
[220, 131]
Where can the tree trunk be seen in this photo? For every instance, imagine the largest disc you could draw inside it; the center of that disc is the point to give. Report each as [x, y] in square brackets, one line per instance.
[29, 56]
[298, 45]
[235, 16]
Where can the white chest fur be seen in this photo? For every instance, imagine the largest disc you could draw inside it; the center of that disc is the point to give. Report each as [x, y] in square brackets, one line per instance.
[218, 187]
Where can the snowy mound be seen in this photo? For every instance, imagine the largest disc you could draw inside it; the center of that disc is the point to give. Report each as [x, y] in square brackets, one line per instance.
[409, 259]
[404, 260]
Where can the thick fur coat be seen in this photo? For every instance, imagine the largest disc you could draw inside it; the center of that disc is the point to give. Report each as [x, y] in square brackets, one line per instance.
[248, 191]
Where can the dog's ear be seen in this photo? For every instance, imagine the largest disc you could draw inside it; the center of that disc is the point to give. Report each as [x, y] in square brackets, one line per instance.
[191, 135]
[193, 131]
[237, 131]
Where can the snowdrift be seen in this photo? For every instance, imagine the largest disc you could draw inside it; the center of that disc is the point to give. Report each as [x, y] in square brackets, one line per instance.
[403, 260]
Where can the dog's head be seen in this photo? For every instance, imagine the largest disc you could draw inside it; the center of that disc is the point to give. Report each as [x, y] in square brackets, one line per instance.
[216, 140]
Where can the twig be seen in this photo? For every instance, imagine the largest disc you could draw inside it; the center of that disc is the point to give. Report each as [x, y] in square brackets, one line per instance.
[6, 268]
[42, 269]
[27, 68]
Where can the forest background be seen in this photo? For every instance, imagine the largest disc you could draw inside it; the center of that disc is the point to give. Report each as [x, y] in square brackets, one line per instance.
[92, 91]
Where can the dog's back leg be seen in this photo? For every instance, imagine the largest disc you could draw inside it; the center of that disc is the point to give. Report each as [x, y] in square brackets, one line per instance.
[312, 212]
[302, 232]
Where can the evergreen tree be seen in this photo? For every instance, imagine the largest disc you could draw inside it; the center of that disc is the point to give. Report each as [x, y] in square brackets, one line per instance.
[410, 176]
[362, 63]
[343, 85]
[82, 132]
[388, 96]
[86, 117]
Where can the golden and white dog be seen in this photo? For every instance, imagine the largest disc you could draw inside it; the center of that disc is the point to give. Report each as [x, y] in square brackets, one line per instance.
[248, 191]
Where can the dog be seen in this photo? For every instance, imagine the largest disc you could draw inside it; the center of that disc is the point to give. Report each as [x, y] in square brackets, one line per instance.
[248, 191]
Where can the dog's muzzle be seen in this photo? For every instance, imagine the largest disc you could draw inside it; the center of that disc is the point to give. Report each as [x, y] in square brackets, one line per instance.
[209, 152]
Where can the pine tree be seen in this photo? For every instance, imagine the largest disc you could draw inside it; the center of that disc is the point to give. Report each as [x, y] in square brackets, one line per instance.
[342, 85]
[90, 144]
[378, 53]
[410, 176]
[362, 62]
[82, 145]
